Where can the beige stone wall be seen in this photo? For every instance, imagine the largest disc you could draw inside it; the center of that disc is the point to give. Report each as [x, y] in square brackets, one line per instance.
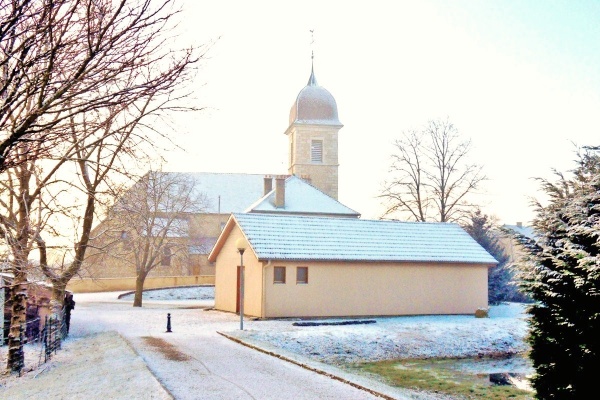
[87, 285]
[350, 289]
[365, 289]
[323, 176]
[101, 264]
[207, 225]
[226, 278]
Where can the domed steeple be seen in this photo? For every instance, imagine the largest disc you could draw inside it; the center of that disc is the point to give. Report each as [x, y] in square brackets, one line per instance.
[314, 105]
[313, 137]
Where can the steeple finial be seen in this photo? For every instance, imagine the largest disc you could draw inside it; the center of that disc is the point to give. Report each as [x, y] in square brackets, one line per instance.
[312, 81]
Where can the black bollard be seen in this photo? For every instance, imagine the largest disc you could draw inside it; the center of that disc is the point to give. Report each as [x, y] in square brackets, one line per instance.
[169, 322]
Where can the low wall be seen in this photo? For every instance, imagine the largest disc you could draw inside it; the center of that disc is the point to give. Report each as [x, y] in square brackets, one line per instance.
[87, 285]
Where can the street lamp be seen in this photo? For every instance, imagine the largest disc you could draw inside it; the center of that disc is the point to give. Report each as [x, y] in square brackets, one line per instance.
[240, 244]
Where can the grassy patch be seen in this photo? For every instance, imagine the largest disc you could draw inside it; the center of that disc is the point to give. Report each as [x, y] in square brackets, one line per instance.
[434, 376]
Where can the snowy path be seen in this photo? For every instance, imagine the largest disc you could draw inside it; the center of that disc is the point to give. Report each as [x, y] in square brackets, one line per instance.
[214, 367]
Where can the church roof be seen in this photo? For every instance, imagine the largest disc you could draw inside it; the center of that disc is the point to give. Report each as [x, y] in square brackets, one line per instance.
[314, 105]
[302, 198]
[225, 192]
[301, 238]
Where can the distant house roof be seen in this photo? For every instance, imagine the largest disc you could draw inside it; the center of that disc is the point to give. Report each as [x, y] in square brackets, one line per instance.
[284, 237]
[526, 231]
[302, 198]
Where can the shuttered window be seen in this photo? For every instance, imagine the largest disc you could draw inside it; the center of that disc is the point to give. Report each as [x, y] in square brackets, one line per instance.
[316, 151]
[301, 274]
[279, 275]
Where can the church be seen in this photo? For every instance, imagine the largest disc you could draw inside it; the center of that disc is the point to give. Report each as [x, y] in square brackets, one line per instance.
[310, 187]
[304, 253]
[315, 261]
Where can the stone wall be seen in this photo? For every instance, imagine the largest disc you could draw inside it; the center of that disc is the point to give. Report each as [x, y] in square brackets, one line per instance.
[87, 285]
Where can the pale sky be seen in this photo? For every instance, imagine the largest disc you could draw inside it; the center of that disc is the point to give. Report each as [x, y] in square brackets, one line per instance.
[521, 79]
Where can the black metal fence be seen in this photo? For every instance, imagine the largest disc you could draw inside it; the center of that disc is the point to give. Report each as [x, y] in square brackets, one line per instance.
[53, 333]
[49, 338]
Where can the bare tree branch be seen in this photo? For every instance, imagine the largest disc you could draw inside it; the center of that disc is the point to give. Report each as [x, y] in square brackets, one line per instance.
[430, 172]
[149, 224]
[63, 58]
[78, 78]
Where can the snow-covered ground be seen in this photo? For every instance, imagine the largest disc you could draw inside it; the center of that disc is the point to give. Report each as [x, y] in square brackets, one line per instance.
[185, 293]
[212, 365]
[389, 338]
[100, 366]
[502, 333]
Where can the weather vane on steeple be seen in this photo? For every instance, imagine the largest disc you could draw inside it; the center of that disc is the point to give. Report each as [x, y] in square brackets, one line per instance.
[312, 43]
[312, 81]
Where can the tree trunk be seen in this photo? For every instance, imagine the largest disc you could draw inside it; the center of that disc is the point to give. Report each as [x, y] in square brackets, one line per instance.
[139, 288]
[18, 298]
[58, 297]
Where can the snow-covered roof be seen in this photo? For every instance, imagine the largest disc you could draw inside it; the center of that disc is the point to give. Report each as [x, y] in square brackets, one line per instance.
[526, 231]
[302, 198]
[284, 237]
[226, 193]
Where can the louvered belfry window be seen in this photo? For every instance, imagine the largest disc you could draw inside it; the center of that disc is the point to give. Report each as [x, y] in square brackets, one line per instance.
[316, 151]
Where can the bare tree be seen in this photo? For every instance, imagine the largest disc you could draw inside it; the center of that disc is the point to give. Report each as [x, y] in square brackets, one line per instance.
[78, 80]
[38, 196]
[109, 142]
[149, 226]
[63, 58]
[431, 176]
[26, 206]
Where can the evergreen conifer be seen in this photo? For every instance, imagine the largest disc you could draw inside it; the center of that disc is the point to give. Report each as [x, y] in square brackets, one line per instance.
[562, 276]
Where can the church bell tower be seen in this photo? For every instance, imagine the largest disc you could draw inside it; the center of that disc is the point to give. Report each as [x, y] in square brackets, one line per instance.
[313, 137]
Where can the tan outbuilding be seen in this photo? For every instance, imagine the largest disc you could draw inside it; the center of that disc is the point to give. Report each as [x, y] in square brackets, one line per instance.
[304, 266]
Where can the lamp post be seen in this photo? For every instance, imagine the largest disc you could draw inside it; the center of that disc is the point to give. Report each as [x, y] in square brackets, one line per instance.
[240, 244]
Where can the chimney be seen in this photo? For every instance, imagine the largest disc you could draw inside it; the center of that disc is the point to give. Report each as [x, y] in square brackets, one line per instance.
[280, 191]
[520, 224]
[268, 184]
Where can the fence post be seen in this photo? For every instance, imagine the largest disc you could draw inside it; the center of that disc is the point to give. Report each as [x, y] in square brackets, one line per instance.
[45, 339]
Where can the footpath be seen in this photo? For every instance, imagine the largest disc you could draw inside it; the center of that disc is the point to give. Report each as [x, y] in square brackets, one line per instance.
[116, 351]
[102, 366]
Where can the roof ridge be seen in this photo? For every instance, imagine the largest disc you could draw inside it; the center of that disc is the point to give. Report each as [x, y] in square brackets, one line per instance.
[212, 173]
[355, 219]
[294, 237]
